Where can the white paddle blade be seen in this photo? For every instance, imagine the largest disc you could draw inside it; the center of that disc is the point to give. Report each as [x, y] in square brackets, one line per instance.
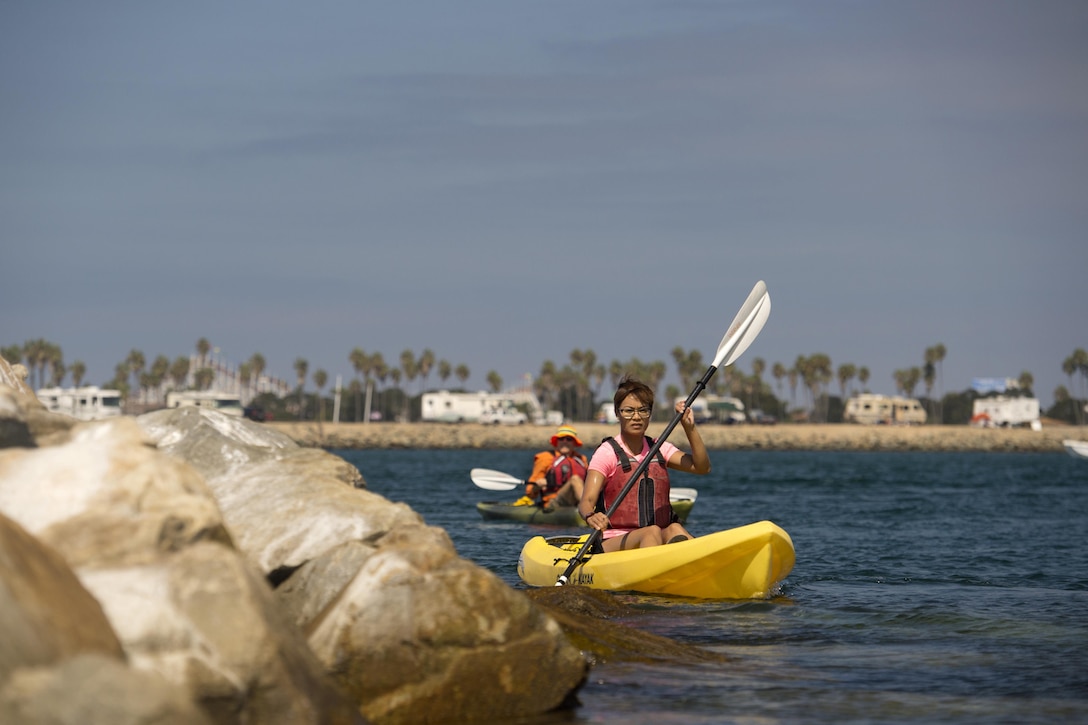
[746, 326]
[683, 494]
[494, 480]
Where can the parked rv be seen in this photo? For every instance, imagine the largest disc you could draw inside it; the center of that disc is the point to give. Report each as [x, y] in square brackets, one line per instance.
[870, 409]
[86, 403]
[1003, 411]
[512, 407]
[723, 409]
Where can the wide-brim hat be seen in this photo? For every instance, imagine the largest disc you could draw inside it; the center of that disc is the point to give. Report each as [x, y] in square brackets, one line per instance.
[563, 432]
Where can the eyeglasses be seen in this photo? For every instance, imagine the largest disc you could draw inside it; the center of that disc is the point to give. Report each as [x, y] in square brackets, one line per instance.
[561, 439]
[629, 413]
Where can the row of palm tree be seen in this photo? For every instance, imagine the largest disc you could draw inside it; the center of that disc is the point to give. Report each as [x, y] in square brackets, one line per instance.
[572, 386]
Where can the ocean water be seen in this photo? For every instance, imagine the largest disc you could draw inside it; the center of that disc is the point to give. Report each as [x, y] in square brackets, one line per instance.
[928, 587]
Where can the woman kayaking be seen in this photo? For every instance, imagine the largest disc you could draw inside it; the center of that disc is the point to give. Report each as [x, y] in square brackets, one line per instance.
[644, 517]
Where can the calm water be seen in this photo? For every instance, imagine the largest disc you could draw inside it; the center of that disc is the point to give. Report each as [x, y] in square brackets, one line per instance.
[928, 586]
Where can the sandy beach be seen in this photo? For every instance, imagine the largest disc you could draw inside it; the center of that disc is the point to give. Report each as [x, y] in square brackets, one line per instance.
[838, 437]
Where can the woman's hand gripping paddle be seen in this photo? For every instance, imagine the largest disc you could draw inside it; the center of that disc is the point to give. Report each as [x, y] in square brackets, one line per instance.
[745, 328]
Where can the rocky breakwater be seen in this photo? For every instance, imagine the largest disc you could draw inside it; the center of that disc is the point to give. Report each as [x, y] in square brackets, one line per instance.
[795, 437]
[188, 567]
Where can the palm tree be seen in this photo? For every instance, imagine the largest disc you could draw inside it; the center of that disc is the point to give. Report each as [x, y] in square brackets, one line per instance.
[203, 347]
[355, 388]
[204, 377]
[863, 376]
[380, 371]
[546, 385]
[1077, 363]
[444, 371]
[57, 371]
[34, 352]
[359, 361]
[495, 381]
[1026, 381]
[245, 376]
[939, 353]
[160, 369]
[257, 365]
[759, 366]
[179, 371]
[462, 373]
[12, 353]
[615, 372]
[778, 372]
[79, 369]
[136, 363]
[301, 367]
[410, 369]
[54, 359]
[426, 363]
[846, 373]
[320, 378]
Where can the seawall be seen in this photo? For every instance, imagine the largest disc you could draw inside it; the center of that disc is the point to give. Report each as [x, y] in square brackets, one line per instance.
[830, 437]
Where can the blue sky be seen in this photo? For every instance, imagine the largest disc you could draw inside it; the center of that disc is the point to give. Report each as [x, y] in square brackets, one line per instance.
[503, 182]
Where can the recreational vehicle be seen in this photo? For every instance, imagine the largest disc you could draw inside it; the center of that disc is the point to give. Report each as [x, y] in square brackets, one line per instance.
[717, 408]
[869, 409]
[227, 403]
[86, 403]
[1002, 411]
[508, 408]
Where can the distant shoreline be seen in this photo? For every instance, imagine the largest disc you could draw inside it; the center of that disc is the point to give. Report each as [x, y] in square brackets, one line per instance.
[783, 437]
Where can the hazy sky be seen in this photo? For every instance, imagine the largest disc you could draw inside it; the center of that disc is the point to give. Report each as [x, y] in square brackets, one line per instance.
[503, 182]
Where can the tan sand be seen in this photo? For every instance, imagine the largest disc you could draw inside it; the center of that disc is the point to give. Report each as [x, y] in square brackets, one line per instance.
[717, 437]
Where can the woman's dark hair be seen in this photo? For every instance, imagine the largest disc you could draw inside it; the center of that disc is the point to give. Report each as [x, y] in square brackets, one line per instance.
[632, 386]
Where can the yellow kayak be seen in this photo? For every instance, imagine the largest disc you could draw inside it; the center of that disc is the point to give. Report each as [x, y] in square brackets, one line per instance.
[747, 562]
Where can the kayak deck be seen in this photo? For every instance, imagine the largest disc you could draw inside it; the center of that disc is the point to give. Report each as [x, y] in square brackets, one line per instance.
[562, 516]
[747, 562]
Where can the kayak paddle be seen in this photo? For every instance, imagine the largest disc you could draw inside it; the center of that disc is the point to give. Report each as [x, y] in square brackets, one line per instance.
[494, 480]
[499, 481]
[745, 328]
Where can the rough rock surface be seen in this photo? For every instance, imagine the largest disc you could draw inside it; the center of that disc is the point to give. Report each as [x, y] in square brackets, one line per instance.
[411, 630]
[142, 532]
[157, 542]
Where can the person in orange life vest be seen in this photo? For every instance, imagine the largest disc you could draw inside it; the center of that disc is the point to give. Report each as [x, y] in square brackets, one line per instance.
[645, 516]
[558, 474]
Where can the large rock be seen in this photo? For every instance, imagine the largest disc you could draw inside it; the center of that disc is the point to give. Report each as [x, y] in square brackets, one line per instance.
[411, 630]
[61, 661]
[46, 615]
[176, 524]
[92, 689]
[284, 504]
[146, 539]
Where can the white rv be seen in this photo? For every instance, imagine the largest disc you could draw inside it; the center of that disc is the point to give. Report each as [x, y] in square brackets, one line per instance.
[1002, 411]
[86, 403]
[442, 406]
[719, 408]
[869, 409]
[227, 403]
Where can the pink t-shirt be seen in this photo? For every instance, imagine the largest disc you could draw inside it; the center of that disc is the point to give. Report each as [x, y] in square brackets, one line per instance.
[607, 464]
[604, 458]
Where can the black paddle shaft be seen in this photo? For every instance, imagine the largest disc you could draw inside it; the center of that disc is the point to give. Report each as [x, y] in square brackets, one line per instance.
[639, 472]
